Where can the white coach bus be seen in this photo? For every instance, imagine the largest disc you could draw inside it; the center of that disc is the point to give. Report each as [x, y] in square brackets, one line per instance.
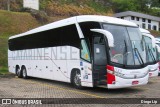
[152, 53]
[87, 50]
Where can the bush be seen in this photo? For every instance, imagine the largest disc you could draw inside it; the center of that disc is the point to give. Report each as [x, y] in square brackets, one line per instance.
[56, 9]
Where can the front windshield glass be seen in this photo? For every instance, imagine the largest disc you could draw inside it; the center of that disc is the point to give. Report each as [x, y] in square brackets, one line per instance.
[158, 53]
[151, 51]
[138, 45]
[126, 40]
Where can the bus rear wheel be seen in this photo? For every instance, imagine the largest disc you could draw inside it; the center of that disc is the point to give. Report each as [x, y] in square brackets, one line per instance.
[76, 81]
[24, 72]
[18, 72]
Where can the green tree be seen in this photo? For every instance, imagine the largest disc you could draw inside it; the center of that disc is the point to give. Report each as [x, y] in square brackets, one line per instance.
[123, 5]
[155, 3]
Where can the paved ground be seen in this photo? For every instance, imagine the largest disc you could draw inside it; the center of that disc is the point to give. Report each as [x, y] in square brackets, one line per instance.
[13, 87]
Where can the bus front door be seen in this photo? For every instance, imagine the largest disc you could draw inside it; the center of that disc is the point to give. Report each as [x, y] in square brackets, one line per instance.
[99, 61]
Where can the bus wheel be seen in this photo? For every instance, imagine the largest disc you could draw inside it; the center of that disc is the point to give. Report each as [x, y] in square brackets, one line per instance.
[24, 72]
[18, 72]
[76, 80]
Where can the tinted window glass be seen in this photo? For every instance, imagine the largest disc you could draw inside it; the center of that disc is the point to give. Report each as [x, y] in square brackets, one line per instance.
[62, 36]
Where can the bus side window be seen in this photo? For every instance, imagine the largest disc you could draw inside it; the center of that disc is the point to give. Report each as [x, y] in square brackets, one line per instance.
[85, 54]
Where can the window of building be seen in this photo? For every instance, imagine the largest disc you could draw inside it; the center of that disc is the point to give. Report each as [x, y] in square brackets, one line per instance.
[143, 25]
[137, 18]
[149, 21]
[149, 26]
[132, 17]
[143, 20]
[154, 27]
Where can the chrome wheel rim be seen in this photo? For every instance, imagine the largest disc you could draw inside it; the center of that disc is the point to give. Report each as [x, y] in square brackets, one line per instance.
[24, 73]
[77, 80]
[18, 71]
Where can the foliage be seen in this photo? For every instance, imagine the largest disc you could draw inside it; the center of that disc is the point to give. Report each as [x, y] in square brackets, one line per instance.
[3, 70]
[155, 3]
[123, 5]
[12, 23]
[15, 5]
[144, 6]
[99, 6]
[56, 9]
[155, 33]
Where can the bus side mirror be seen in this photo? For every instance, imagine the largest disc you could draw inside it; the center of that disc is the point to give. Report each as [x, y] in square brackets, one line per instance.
[107, 34]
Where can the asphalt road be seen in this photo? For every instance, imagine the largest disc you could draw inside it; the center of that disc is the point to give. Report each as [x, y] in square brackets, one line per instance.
[13, 87]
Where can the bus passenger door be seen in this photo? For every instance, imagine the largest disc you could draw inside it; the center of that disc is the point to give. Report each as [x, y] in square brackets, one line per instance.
[99, 60]
[86, 66]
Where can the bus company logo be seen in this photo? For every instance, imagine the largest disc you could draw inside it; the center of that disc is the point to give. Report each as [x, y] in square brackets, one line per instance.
[6, 101]
[52, 53]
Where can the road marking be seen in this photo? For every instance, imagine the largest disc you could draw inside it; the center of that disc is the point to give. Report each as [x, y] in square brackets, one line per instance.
[53, 86]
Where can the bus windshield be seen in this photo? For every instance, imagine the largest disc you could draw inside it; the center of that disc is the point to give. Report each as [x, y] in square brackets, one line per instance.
[129, 47]
[151, 51]
[158, 53]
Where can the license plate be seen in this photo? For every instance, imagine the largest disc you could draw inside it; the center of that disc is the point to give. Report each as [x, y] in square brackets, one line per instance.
[135, 82]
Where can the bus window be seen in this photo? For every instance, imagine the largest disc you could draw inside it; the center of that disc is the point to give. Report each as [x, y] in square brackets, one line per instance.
[85, 51]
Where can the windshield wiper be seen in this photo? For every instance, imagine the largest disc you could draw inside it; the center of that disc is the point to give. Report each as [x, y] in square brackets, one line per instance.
[151, 53]
[140, 57]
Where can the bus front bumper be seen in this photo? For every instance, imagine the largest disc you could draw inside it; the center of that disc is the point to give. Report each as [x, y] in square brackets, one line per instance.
[123, 83]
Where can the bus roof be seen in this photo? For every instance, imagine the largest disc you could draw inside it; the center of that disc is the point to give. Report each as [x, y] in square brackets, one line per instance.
[75, 19]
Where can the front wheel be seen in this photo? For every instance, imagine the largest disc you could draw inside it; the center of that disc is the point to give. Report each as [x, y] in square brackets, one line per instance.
[76, 80]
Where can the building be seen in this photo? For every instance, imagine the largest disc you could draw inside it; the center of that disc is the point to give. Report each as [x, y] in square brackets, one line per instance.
[142, 20]
[33, 4]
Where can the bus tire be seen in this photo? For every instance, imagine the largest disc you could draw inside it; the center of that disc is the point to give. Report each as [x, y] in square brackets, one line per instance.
[75, 79]
[18, 72]
[24, 73]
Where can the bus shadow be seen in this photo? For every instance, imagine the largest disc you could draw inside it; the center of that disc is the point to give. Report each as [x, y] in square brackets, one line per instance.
[151, 82]
[88, 89]
[51, 82]
[116, 91]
